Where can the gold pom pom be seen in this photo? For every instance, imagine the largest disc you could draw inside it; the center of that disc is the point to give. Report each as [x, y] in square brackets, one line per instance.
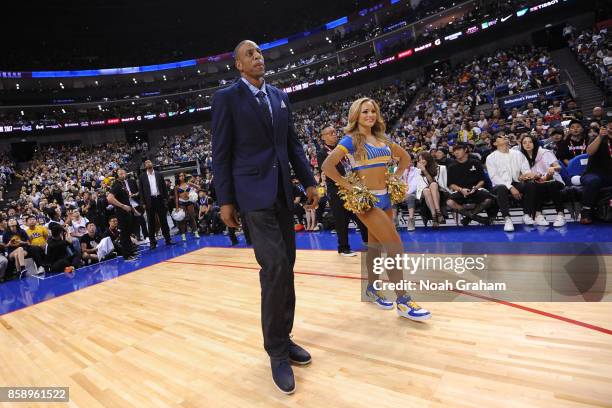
[397, 188]
[358, 199]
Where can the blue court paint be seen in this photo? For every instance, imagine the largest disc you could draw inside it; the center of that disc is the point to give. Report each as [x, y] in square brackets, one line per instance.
[572, 239]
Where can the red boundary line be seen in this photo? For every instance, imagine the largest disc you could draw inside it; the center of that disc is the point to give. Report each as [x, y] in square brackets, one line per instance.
[433, 253]
[490, 299]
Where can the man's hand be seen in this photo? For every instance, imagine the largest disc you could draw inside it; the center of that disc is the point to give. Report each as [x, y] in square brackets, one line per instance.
[313, 198]
[515, 193]
[229, 215]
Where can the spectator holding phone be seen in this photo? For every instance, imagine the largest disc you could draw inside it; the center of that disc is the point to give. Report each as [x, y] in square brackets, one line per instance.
[598, 172]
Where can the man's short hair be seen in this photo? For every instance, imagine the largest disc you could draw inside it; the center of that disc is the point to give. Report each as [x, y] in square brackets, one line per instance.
[573, 122]
[325, 127]
[240, 44]
[556, 132]
[114, 217]
[89, 222]
[462, 145]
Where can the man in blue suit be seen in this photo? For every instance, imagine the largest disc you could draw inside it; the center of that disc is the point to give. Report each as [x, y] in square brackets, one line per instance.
[253, 144]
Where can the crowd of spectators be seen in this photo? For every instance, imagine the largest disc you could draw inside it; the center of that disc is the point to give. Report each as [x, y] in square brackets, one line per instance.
[7, 173]
[457, 113]
[469, 156]
[185, 147]
[446, 110]
[593, 49]
[193, 90]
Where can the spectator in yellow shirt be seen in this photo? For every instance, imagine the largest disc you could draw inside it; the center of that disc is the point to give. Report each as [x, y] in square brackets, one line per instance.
[38, 234]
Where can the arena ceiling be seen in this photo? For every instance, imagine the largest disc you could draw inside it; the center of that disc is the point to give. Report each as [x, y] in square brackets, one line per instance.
[104, 32]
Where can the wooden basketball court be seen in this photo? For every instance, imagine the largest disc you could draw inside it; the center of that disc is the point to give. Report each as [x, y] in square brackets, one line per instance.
[186, 333]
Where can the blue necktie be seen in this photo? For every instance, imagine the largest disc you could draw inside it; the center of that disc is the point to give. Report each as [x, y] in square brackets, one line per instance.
[263, 105]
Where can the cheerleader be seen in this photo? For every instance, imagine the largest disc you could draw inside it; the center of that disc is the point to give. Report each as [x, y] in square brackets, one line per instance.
[369, 151]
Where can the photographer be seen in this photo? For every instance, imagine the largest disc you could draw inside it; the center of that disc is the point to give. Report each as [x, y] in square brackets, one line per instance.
[60, 255]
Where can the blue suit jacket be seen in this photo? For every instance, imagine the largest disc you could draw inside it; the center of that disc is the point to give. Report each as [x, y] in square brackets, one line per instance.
[246, 149]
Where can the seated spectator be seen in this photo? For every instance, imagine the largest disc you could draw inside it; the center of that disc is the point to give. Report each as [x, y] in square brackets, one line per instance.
[552, 114]
[18, 247]
[545, 170]
[78, 224]
[38, 234]
[509, 170]
[94, 248]
[531, 108]
[204, 212]
[114, 233]
[77, 227]
[482, 123]
[410, 177]
[88, 206]
[574, 144]
[552, 143]
[431, 187]
[299, 198]
[598, 173]
[3, 259]
[466, 180]
[182, 190]
[440, 155]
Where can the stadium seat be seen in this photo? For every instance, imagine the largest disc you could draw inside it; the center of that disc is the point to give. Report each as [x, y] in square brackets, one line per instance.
[577, 166]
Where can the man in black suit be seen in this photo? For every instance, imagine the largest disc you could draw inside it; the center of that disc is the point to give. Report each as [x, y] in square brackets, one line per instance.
[119, 197]
[254, 143]
[140, 224]
[154, 193]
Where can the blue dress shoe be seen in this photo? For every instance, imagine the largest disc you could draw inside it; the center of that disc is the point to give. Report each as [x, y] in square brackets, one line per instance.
[297, 355]
[282, 375]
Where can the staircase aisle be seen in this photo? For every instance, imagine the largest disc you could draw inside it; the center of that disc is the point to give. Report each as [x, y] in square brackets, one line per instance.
[588, 94]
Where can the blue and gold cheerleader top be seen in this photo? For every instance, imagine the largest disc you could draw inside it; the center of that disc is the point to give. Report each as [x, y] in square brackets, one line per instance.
[375, 156]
